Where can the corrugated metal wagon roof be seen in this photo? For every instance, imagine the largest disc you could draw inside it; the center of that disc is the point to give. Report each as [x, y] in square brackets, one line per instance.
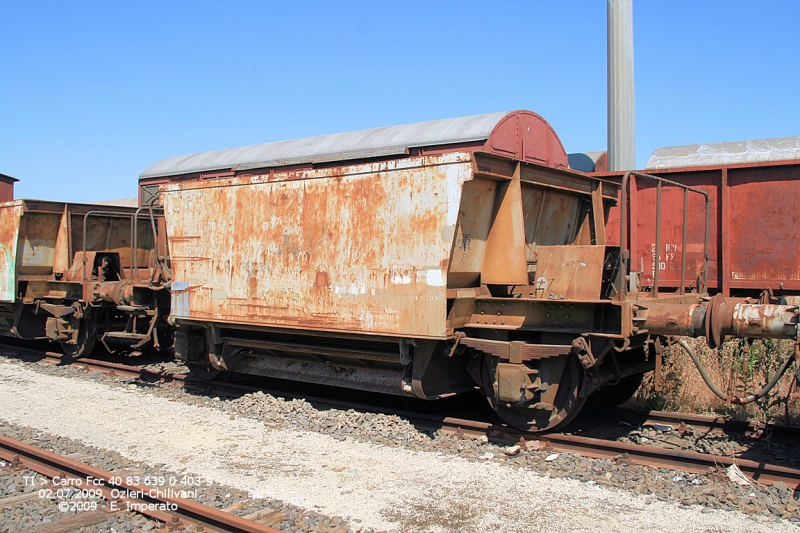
[725, 153]
[376, 142]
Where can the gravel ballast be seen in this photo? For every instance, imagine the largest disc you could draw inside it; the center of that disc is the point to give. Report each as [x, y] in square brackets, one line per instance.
[28, 501]
[373, 486]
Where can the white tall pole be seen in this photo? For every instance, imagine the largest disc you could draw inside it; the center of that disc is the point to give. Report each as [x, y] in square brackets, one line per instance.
[621, 123]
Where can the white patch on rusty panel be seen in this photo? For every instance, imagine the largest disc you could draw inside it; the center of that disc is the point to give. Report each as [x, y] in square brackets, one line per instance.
[354, 289]
[180, 299]
[456, 176]
[455, 180]
[434, 277]
[274, 250]
[7, 273]
[400, 276]
[38, 252]
[366, 320]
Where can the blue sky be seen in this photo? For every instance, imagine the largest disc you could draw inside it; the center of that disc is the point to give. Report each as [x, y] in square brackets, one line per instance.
[93, 93]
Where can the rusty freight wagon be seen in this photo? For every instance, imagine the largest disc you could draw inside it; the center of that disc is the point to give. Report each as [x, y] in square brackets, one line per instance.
[421, 260]
[81, 273]
[753, 191]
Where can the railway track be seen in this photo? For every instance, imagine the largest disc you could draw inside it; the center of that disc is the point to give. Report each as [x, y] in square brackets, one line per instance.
[711, 423]
[559, 442]
[155, 500]
[636, 454]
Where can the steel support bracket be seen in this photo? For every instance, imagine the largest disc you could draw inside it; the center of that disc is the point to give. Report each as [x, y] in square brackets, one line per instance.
[57, 310]
[58, 329]
[583, 350]
[514, 383]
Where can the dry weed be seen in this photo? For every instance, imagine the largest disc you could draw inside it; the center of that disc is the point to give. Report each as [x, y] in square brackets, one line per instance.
[737, 368]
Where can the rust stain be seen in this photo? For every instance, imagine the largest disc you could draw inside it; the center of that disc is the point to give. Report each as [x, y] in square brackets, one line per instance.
[362, 248]
[322, 281]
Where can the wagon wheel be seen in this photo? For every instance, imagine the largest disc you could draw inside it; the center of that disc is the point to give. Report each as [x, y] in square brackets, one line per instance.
[87, 334]
[565, 371]
[614, 395]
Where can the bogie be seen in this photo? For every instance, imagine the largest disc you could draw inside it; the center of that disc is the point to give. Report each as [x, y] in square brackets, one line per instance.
[548, 396]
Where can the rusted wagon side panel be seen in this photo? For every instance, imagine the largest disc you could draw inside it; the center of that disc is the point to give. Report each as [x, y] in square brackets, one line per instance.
[361, 249]
[760, 227]
[471, 233]
[10, 214]
[551, 217]
[753, 243]
[38, 233]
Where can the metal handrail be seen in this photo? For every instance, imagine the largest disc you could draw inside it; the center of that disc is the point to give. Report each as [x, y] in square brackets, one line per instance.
[155, 240]
[625, 252]
[134, 235]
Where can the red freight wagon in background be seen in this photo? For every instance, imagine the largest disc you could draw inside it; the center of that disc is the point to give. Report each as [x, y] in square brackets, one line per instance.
[754, 211]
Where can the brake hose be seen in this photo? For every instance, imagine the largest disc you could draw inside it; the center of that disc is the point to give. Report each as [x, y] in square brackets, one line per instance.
[738, 400]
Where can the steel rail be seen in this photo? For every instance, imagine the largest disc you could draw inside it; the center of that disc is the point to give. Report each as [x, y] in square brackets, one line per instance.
[715, 422]
[24, 456]
[637, 454]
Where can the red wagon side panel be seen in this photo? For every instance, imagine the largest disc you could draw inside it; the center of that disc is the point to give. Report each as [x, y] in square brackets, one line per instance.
[753, 237]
